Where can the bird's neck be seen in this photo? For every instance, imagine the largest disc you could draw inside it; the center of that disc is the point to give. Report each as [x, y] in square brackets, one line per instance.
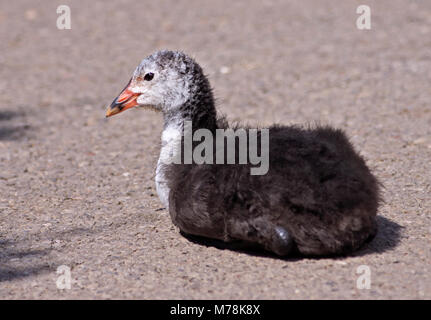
[198, 112]
[199, 109]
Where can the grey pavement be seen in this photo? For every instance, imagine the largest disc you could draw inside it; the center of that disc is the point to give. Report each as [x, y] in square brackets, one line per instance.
[78, 190]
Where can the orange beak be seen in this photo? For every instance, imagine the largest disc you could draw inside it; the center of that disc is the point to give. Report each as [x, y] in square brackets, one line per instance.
[125, 100]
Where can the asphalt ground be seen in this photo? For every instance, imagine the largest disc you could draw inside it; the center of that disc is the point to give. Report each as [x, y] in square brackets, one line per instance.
[77, 190]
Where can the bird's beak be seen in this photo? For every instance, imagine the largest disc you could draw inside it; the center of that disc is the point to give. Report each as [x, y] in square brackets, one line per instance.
[125, 100]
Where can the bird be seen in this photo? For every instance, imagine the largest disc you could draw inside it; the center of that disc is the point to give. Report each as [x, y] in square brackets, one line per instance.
[317, 198]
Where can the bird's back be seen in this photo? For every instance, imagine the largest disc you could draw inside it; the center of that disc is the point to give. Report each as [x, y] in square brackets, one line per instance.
[317, 188]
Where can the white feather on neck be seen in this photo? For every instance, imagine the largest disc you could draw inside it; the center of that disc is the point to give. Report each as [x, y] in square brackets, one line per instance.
[171, 147]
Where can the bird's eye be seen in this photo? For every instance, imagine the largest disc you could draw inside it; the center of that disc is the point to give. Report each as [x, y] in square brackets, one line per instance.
[149, 76]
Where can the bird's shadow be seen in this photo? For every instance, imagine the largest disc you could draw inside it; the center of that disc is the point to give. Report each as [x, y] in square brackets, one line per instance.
[10, 130]
[387, 238]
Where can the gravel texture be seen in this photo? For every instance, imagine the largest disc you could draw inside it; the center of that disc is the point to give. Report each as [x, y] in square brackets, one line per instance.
[78, 190]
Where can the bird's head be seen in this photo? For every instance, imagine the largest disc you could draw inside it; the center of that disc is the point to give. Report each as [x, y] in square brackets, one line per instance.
[163, 82]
